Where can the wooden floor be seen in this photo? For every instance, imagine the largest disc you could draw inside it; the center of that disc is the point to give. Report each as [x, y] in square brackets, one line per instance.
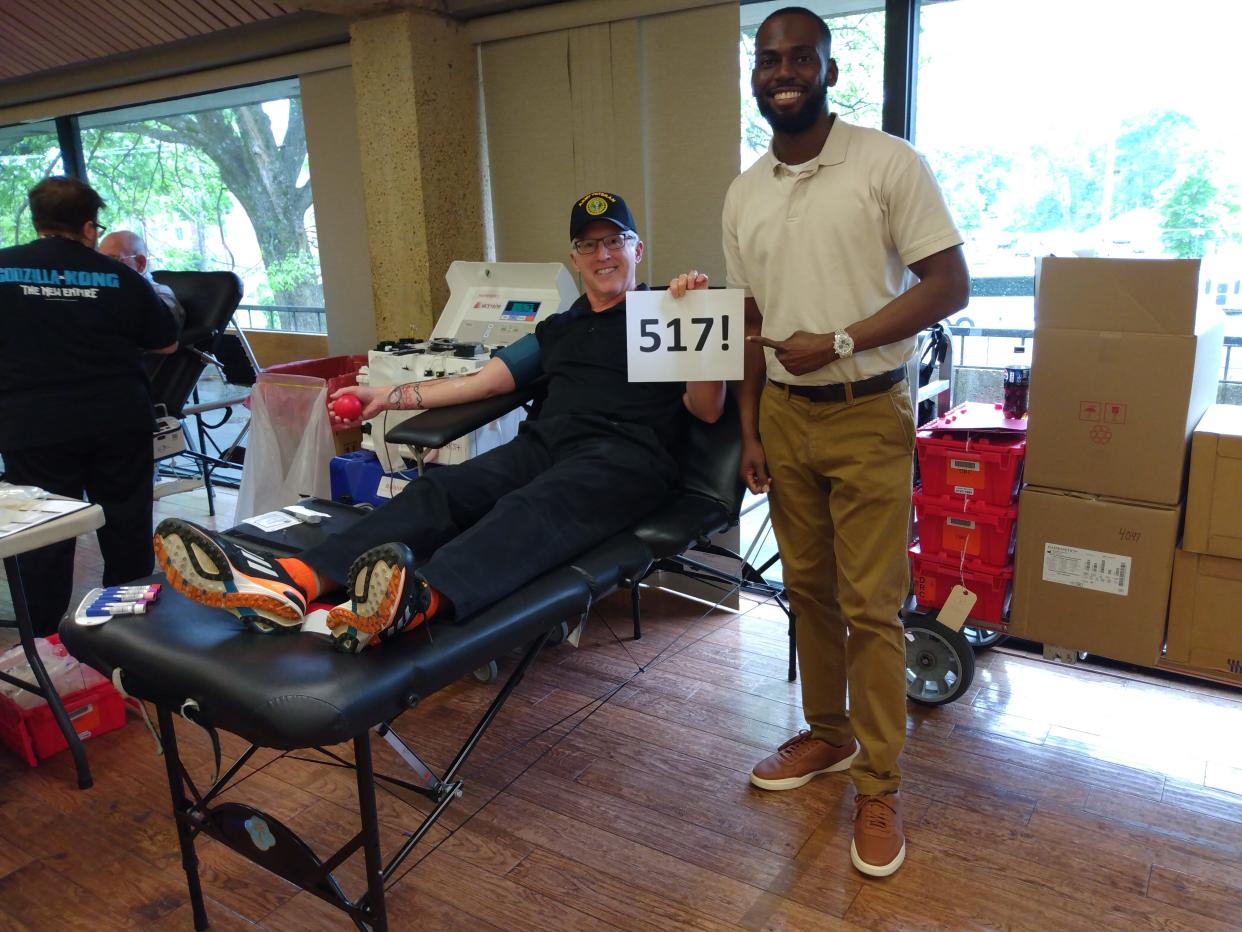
[612, 792]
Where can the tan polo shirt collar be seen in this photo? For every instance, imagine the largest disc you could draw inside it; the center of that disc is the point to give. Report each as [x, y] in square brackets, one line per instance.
[833, 153]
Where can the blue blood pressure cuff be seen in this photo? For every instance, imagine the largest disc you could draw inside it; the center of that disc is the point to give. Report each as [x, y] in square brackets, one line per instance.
[523, 358]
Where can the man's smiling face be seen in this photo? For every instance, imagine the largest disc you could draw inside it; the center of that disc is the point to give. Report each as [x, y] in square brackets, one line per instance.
[792, 72]
[607, 274]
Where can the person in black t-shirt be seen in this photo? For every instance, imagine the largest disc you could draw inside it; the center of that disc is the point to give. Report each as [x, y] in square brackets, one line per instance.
[461, 537]
[75, 410]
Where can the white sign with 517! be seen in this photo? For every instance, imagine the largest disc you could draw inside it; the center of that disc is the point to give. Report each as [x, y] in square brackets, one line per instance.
[695, 338]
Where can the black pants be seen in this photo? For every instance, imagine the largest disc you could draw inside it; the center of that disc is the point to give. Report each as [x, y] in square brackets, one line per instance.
[114, 472]
[483, 528]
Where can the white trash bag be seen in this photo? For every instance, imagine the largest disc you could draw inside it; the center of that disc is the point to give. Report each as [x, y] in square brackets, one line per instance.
[290, 445]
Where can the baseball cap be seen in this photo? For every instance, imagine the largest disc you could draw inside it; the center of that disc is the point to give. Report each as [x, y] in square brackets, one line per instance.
[600, 205]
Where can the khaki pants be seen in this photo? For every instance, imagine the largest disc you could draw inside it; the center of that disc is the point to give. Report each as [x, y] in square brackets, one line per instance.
[840, 506]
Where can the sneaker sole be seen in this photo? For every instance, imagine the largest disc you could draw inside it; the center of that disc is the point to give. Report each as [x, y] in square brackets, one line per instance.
[877, 870]
[379, 582]
[197, 568]
[792, 783]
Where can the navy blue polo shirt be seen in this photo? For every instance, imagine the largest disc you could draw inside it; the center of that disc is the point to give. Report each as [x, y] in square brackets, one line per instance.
[583, 353]
[73, 327]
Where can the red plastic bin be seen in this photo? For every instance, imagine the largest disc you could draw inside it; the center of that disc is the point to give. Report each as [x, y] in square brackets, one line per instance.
[34, 734]
[336, 371]
[956, 527]
[985, 468]
[935, 576]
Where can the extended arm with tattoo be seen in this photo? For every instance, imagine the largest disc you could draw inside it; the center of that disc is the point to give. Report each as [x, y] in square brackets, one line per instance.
[493, 379]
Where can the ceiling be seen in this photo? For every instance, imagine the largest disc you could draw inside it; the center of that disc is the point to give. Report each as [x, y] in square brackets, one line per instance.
[38, 37]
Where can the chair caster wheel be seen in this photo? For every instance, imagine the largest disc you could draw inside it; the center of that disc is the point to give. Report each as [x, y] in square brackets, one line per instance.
[488, 673]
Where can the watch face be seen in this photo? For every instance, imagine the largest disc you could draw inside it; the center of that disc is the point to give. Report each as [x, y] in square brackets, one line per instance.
[843, 344]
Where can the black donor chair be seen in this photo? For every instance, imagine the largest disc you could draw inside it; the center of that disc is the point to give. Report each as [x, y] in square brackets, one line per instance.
[295, 692]
[210, 299]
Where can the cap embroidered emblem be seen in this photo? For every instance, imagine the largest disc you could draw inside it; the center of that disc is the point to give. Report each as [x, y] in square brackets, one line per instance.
[596, 206]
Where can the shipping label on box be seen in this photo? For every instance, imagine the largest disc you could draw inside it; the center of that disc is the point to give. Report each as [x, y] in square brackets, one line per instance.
[1093, 574]
[1214, 495]
[1087, 569]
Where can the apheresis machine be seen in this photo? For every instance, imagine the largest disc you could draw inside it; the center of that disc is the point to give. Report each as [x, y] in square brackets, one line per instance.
[491, 304]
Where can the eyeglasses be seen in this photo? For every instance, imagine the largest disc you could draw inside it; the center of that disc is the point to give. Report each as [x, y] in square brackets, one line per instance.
[99, 227]
[587, 247]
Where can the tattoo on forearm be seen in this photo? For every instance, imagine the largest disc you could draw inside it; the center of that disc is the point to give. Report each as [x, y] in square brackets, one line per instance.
[409, 397]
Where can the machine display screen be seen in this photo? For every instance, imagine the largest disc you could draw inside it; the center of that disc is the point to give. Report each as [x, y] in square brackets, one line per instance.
[520, 310]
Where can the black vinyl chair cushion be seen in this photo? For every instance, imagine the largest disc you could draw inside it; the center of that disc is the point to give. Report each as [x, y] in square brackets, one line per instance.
[682, 521]
[619, 559]
[209, 300]
[296, 691]
[439, 426]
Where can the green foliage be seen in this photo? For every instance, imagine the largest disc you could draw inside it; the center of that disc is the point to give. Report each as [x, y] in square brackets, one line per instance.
[1191, 215]
[292, 275]
[24, 162]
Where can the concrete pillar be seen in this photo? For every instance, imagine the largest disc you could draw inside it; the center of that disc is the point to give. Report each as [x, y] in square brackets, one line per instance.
[416, 86]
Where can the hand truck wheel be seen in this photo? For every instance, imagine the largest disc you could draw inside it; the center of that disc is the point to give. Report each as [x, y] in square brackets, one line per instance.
[940, 663]
[982, 638]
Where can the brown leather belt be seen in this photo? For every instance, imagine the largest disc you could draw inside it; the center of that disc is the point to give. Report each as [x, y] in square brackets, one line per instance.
[871, 386]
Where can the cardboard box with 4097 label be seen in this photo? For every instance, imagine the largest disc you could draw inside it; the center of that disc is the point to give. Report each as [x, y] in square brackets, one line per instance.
[1093, 573]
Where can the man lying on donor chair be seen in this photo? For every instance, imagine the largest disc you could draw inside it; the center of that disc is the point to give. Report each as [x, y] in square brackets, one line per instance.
[462, 537]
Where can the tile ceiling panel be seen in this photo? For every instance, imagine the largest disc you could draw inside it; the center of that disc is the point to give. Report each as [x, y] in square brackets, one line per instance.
[36, 35]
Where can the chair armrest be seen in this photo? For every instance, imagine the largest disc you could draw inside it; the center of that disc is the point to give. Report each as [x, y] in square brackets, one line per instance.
[438, 426]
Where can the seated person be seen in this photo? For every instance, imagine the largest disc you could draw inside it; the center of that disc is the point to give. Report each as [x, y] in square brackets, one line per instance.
[462, 537]
[130, 249]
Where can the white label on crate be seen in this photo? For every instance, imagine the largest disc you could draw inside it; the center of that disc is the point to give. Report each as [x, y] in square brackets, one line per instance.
[956, 608]
[963, 490]
[1087, 569]
[960, 522]
[965, 465]
[391, 486]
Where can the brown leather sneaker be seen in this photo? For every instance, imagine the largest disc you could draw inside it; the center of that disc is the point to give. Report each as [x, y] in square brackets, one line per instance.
[879, 844]
[798, 760]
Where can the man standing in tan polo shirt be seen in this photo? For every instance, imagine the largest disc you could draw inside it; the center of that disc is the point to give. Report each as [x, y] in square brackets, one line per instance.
[842, 241]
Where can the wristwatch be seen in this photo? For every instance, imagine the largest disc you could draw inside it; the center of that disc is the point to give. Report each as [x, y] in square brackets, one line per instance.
[842, 344]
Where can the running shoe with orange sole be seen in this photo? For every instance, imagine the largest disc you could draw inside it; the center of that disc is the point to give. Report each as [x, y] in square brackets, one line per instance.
[386, 598]
[210, 570]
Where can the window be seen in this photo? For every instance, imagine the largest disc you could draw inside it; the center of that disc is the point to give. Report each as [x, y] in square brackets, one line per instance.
[857, 45]
[219, 181]
[28, 153]
[1106, 128]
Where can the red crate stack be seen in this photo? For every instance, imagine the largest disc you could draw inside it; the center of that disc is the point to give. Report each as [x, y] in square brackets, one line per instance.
[970, 467]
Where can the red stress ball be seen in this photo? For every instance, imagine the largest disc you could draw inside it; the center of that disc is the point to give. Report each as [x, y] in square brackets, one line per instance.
[347, 407]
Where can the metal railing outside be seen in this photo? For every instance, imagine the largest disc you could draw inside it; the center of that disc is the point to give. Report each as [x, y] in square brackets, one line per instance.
[1231, 366]
[284, 317]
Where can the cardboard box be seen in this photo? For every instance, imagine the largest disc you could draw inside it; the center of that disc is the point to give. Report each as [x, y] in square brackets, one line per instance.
[1205, 614]
[1122, 295]
[1214, 496]
[1123, 370]
[1093, 574]
[347, 440]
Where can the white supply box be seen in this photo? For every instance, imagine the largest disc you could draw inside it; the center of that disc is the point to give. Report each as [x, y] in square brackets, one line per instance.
[491, 304]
